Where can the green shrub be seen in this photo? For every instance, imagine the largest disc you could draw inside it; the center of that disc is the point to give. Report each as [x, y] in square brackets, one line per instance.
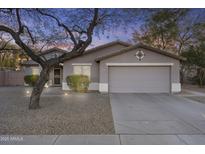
[31, 79]
[78, 83]
[199, 79]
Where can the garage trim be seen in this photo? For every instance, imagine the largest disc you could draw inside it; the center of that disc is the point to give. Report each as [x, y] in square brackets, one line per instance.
[139, 64]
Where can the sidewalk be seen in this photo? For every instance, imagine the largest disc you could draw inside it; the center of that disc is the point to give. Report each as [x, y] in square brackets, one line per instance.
[102, 139]
[193, 90]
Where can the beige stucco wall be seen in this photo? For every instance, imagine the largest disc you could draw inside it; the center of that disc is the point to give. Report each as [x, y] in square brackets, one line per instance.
[89, 58]
[99, 71]
[129, 57]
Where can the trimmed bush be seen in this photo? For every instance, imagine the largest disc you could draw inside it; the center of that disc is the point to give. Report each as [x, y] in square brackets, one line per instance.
[31, 79]
[78, 83]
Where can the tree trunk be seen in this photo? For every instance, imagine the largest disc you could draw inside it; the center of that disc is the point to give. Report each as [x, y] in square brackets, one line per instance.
[182, 73]
[38, 88]
[201, 77]
[182, 77]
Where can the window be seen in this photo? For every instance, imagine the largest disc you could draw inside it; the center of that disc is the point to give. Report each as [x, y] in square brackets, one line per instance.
[82, 69]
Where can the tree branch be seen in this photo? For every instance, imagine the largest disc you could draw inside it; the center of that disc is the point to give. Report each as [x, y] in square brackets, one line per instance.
[29, 33]
[22, 27]
[19, 22]
[78, 29]
[82, 45]
[21, 44]
[4, 46]
[60, 24]
[90, 30]
[78, 49]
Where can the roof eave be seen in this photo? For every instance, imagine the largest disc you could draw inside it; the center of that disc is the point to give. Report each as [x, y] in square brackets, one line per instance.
[45, 52]
[144, 47]
[107, 45]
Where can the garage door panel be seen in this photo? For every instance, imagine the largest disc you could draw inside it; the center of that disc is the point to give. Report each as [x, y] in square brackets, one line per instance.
[139, 79]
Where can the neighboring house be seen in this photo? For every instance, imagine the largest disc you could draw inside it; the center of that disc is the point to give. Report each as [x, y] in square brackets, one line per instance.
[119, 67]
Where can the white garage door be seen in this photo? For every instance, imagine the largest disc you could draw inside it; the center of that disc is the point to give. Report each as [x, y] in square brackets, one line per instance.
[139, 79]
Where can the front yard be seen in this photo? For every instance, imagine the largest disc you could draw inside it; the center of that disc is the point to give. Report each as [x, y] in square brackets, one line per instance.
[60, 114]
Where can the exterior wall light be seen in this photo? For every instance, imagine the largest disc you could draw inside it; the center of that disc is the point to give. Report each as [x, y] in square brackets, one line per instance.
[46, 85]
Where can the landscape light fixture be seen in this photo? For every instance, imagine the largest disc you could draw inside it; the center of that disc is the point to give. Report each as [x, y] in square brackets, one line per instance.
[46, 86]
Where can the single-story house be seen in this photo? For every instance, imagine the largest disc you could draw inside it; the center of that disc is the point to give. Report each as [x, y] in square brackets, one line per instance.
[118, 67]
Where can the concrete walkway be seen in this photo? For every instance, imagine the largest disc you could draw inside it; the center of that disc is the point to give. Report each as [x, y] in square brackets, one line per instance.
[102, 140]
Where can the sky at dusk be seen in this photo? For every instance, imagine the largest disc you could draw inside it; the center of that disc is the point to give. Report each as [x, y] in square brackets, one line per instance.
[112, 36]
[120, 34]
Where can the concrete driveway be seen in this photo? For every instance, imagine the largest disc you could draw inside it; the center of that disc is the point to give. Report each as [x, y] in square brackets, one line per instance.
[158, 119]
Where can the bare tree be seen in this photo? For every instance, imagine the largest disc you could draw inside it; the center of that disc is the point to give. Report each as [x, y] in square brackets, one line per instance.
[36, 29]
[21, 30]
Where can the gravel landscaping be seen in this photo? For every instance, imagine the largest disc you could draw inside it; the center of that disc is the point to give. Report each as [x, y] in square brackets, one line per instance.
[60, 114]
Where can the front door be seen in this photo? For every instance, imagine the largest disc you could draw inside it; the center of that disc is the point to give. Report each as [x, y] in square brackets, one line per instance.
[57, 76]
